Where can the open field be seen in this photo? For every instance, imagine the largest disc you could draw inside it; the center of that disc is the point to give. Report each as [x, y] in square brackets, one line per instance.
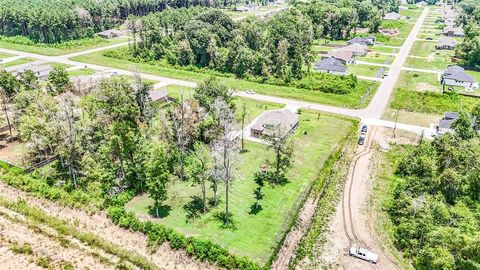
[18, 62]
[412, 13]
[418, 81]
[80, 72]
[438, 62]
[255, 234]
[364, 70]
[5, 55]
[377, 58]
[351, 100]
[412, 118]
[53, 51]
[382, 49]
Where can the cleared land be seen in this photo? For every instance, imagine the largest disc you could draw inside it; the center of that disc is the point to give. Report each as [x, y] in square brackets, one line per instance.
[255, 234]
[377, 58]
[364, 70]
[418, 81]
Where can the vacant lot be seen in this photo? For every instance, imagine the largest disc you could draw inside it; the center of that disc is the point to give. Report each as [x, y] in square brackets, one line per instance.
[377, 58]
[413, 118]
[364, 70]
[255, 234]
[422, 48]
[418, 81]
[438, 61]
[80, 72]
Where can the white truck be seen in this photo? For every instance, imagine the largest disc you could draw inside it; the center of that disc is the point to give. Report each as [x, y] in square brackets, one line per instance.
[363, 254]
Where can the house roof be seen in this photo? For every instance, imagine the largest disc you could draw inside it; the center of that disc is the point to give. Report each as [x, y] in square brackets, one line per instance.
[157, 94]
[446, 41]
[331, 64]
[110, 32]
[456, 30]
[342, 55]
[36, 68]
[285, 118]
[451, 115]
[355, 48]
[362, 40]
[446, 123]
[458, 74]
[392, 16]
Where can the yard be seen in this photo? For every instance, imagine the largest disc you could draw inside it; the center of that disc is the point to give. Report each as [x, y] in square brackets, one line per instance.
[5, 55]
[80, 72]
[254, 234]
[382, 49]
[422, 48]
[364, 70]
[412, 118]
[350, 100]
[418, 81]
[18, 62]
[377, 58]
[438, 61]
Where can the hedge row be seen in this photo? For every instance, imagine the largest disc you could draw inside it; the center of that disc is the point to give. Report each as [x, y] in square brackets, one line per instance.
[157, 234]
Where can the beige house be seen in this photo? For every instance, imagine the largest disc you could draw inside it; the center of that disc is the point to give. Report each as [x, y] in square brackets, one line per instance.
[356, 49]
[446, 43]
[284, 119]
[345, 56]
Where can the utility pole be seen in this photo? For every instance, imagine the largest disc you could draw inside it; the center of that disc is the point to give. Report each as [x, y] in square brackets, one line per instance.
[395, 127]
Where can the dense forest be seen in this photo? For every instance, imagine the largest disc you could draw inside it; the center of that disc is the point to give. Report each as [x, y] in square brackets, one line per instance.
[469, 49]
[436, 199]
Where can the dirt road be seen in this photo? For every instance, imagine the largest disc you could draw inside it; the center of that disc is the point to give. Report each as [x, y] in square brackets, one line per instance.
[351, 224]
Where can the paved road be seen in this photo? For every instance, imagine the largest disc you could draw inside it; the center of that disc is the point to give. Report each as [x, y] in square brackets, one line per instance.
[374, 110]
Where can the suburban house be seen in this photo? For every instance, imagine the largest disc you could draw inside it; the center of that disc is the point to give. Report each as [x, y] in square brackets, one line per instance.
[370, 40]
[421, 4]
[445, 124]
[158, 95]
[356, 48]
[456, 76]
[285, 119]
[446, 43]
[344, 56]
[331, 65]
[87, 83]
[451, 31]
[392, 16]
[40, 70]
[111, 33]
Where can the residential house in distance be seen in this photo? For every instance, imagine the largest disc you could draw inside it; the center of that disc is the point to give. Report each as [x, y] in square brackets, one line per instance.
[86, 83]
[286, 120]
[446, 43]
[40, 70]
[356, 48]
[370, 40]
[344, 56]
[421, 4]
[331, 65]
[392, 16]
[456, 76]
[445, 124]
[111, 33]
[451, 31]
[158, 95]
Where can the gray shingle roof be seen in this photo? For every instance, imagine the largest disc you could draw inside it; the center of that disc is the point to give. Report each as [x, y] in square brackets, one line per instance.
[331, 64]
[458, 74]
[446, 41]
[285, 118]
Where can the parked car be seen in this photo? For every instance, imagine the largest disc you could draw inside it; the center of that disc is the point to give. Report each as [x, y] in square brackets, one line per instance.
[250, 92]
[429, 38]
[361, 140]
[363, 254]
[364, 129]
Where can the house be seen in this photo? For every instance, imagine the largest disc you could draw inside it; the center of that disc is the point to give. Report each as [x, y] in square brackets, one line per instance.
[111, 33]
[370, 40]
[392, 16]
[331, 65]
[87, 83]
[356, 48]
[403, 8]
[344, 56]
[158, 95]
[456, 76]
[40, 70]
[286, 120]
[446, 43]
[421, 4]
[451, 31]
[445, 124]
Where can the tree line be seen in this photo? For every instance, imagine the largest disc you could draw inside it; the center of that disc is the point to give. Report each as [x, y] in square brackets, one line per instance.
[469, 49]
[436, 197]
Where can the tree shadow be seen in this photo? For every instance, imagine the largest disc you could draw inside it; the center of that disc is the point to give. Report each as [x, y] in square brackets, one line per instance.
[221, 217]
[163, 211]
[255, 209]
[194, 208]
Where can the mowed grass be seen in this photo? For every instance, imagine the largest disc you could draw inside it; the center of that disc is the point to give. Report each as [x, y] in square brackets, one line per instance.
[52, 51]
[440, 61]
[18, 62]
[255, 235]
[382, 49]
[81, 72]
[373, 57]
[413, 118]
[422, 48]
[5, 55]
[364, 70]
[350, 100]
[412, 13]
[418, 81]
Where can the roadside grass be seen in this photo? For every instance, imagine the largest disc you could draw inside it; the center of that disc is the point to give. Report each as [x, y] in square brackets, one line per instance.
[430, 102]
[364, 70]
[52, 51]
[81, 72]
[254, 234]
[412, 13]
[5, 55]
[412, 118]
[377, 58]
[18, 62]
[418, 81]
[55, 64]
[382, 49]
[351, 100]
[425, 36]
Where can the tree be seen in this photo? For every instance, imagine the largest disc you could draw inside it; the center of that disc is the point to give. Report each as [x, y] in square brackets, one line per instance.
[437, 258]
[259, 179]
[243, 114]
[157, 176]
[278, 141]
[199, 168]
[58, 80]
[29, 80]
[209, 90]
[463, 126]
[225, 148]
[9, 84]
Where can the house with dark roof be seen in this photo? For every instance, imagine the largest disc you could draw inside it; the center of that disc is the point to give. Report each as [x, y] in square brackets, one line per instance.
[445, 124]
[451, 31]
[39, 69]
[370, 40]
[392, 16]
[456, 76]
[269, 121]
[344, 56]
[331, 65]
[446, 43]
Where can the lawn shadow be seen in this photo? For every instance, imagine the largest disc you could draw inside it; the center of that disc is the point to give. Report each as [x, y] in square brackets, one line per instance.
[255, 209]
[194, 208]
[220, 217]
[163, 211]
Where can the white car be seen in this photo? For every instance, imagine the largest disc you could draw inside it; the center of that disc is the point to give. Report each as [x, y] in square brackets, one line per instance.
[250, 92]
[363, 254]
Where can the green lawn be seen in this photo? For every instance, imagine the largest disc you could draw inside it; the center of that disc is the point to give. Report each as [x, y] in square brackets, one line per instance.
[318, 48]
[5, 55]
[412, 13]
[351, 100]
[364, 70]
[80, 72]
[55, 64]
[439, 60]
[475, 74]
[256, 234]
[18, 62]
[422, 48]
[52, 51]
[382, 49]
[412, 118]
[376, 58]
[418, 81]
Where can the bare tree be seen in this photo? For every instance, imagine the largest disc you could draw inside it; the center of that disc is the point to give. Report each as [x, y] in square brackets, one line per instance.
[5, 108]
[225, 148]
[243, 114]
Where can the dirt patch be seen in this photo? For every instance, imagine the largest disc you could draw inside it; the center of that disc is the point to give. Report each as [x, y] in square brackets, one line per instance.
[424, 87]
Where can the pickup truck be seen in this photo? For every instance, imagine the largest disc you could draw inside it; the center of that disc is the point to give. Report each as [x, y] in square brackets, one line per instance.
[363, 254]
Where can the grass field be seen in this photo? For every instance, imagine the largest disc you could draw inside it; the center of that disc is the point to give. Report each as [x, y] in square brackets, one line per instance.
[52, 51]
[413, 118]
[5, 55]
[364, 70]
[439, 61]
[377, 58]
[255, 234]
[422, 48]
[18, 62]
[382, 49]
[80, 72]
[412, 13]
[351, 100]
[418, 81]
